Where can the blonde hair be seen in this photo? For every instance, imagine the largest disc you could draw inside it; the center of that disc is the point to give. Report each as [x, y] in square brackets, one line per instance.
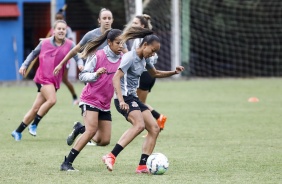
[58, 21]
[144, 20]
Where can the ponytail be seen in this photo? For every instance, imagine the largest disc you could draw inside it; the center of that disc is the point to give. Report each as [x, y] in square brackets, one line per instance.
[138, 32]
[93, 44]
[135, 32]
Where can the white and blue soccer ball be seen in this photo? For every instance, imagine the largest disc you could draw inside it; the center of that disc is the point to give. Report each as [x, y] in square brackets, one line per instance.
[157, 163]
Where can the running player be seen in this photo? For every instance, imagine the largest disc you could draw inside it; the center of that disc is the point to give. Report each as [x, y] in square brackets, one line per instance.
[126, 101]
[98, 92]
[46, 82]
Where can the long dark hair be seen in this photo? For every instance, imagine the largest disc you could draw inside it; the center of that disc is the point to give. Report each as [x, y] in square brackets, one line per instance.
[93, 44]
[138, 32]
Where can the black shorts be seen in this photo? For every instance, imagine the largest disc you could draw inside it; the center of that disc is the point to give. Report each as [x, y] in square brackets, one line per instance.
[146, 81]
[39, 86]
[103, 115]
[134, 104]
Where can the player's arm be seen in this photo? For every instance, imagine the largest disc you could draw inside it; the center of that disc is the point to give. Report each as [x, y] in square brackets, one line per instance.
[70, 54]
[162, 74]
[88, 74]
[117, 87]
[34, 53]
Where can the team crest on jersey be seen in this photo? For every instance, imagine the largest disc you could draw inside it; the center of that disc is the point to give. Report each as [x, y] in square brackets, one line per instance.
[134, 104]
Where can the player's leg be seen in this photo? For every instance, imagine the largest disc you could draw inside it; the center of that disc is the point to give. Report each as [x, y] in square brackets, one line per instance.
[49, 93]
[150, 140]
[146, 84]
[90, 118]
[134, 116]
[29, 116]
[103, 134]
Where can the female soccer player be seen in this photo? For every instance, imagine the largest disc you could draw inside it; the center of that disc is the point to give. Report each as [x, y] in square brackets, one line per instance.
[127, 103]
[146, 81]
[98, 92]
[105, 20]
[51, 51]
[60, 16]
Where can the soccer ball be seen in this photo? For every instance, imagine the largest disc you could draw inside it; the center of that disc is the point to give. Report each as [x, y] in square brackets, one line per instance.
[157, 163]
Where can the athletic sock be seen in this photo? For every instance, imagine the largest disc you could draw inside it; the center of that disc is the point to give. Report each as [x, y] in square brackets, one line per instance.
[36, 120]
[21, 128]
[72, 155]
[117, 149]
[74, 97]
[155, 114]
[143, 159]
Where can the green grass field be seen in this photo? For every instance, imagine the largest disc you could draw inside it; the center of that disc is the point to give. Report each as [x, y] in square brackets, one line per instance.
[213, 135]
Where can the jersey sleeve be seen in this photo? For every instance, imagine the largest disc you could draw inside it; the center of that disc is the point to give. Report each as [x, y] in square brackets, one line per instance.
[88, 74]
[85, 39]
[126, 62]
[34, 53]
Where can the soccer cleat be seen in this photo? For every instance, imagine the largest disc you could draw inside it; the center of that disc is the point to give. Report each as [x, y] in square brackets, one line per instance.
[90, 143]
[142, 169]
[109, 161]
[67, 166]
[74, 133]
[17, 135]
[161, 121]
[32, 129]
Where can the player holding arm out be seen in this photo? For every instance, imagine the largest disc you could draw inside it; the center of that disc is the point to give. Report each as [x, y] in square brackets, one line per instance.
[126, 101]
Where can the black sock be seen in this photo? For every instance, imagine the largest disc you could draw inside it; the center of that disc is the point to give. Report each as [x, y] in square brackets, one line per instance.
[74, 97]
[143, 159]
[21, 128]
[72, 155]
[36, 120]
[155, 114]
[117, 149]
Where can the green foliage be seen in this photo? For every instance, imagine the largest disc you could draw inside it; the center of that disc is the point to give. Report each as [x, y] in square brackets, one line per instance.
[213, 135]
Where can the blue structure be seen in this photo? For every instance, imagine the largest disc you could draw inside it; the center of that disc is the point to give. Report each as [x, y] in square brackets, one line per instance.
[12, 37]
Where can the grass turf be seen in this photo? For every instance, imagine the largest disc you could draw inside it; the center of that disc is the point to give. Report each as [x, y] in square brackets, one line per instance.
[213, 135]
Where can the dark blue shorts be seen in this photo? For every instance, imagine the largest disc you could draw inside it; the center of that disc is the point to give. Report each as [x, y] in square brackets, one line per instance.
[134, 104]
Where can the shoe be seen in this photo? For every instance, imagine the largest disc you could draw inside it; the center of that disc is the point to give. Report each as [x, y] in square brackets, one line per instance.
[67, 166]
[109, 161]
[17, 135]
[75, 102]
[32, 129]
[77, 125]
[142, 169]
[90, 143]
[161, 121]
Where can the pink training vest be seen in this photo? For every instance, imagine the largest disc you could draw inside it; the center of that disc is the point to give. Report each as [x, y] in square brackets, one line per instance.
[100, 92]
[50, 56]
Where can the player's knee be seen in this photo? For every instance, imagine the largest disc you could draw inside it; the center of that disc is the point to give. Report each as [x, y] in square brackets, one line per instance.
[52, 101]
[140, 127]
[103, 143]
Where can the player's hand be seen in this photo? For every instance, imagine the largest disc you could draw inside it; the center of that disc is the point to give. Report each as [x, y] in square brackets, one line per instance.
[101, 70]
[80, 68]
[57, 69]
[123, 106]
[22, 71]
[179, 69]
